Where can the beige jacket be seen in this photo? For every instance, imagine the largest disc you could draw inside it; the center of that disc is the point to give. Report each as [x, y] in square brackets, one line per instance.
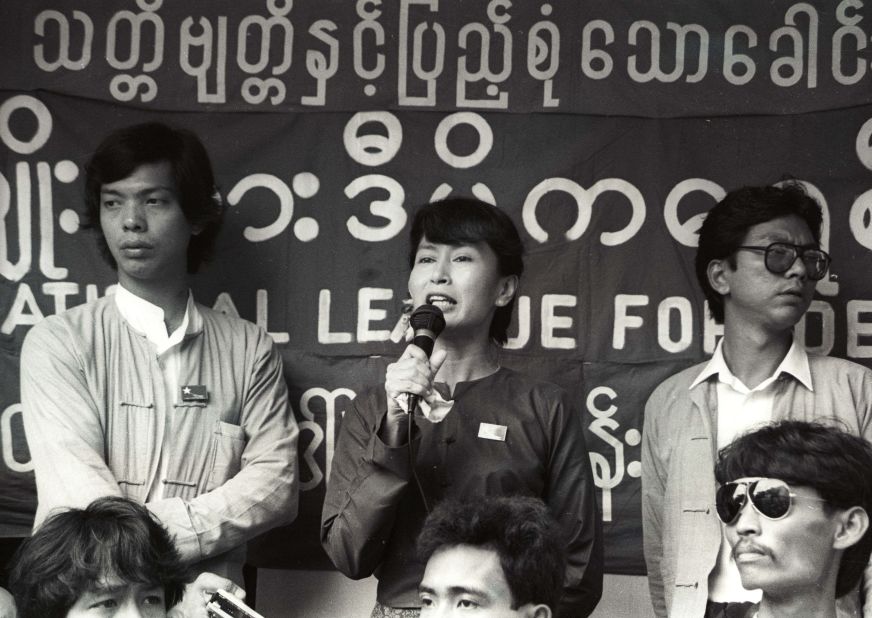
[682, 533]
[95, 415]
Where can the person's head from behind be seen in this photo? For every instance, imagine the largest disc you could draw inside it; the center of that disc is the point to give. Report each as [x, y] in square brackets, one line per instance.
[498, 556]
[759, 250]
[151, 183]
[112, 558]
[466, 258]
[795, 498]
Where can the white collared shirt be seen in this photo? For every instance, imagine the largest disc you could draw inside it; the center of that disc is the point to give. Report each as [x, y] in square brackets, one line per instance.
[741, 409]
[148, 319]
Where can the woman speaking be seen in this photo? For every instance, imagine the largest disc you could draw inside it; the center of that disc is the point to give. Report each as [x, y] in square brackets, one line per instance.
[480, 428]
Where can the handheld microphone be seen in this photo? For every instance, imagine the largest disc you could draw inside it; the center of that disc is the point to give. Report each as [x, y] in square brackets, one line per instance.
[427, 322]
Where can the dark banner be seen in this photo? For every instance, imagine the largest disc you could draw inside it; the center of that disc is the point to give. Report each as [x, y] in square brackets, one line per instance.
[314, 245]
[635, 57]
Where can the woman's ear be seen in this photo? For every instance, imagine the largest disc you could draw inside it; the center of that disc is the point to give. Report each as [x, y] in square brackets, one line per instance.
[852, 525]
[508, 287]
[197, 227]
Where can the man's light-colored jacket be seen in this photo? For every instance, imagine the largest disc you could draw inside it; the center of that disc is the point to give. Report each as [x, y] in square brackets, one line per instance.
[96, 415]
[682, 532]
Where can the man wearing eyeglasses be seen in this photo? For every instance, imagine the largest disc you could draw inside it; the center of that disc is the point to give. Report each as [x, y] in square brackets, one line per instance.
[795, 499]
[758, 262]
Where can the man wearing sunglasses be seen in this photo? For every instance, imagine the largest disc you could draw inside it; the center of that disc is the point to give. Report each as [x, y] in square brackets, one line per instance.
[758, 262]
[795, 499]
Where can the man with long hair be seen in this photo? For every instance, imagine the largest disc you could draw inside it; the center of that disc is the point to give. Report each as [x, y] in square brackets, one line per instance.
[111, 558]
[795, 498]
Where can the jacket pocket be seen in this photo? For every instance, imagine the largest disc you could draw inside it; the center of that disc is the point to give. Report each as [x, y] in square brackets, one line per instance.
[228, 443]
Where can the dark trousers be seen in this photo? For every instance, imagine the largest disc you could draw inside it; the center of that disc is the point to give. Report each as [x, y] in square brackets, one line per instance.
[8, 545]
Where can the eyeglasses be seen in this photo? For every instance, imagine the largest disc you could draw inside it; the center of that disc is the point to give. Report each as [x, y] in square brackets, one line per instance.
[771, 498]
[780, 256]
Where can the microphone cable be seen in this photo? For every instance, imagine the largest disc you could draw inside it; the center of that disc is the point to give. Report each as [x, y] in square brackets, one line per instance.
[427, 322]
[412, 462]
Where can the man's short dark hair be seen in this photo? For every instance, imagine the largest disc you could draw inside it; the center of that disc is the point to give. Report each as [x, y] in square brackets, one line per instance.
[124, 150]
[727, 224]
[519, 529]
[74, 550]
[465, 220]
[834, 463]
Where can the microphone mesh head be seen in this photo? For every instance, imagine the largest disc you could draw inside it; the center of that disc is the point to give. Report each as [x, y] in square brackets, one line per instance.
[428, 317]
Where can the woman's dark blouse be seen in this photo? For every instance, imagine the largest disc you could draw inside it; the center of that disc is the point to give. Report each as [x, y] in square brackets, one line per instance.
[373, 510]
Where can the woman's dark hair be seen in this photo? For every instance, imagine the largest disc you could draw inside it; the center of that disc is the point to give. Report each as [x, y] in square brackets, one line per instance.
[74, 550]
[519, 529]
[124, 150]
[464, 220]
[727, 224]
[834, 463]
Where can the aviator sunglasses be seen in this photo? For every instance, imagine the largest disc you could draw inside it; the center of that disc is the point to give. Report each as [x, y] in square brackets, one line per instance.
[772, 498]
[780, 256]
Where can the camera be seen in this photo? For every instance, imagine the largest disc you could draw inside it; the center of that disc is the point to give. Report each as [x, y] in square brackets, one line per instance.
[222, 604]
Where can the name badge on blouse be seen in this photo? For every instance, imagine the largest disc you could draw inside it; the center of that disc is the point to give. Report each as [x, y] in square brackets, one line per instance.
[195, 392]
[492, 432]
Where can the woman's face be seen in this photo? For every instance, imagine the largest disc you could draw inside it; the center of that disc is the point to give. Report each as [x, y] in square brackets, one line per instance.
[463, 281]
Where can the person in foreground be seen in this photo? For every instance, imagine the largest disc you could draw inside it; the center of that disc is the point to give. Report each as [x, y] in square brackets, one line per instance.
[110, 559]
[499, 432]
[795, 498]
[500, 557]
[7, 604]
[147, 394]
[758, 261]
